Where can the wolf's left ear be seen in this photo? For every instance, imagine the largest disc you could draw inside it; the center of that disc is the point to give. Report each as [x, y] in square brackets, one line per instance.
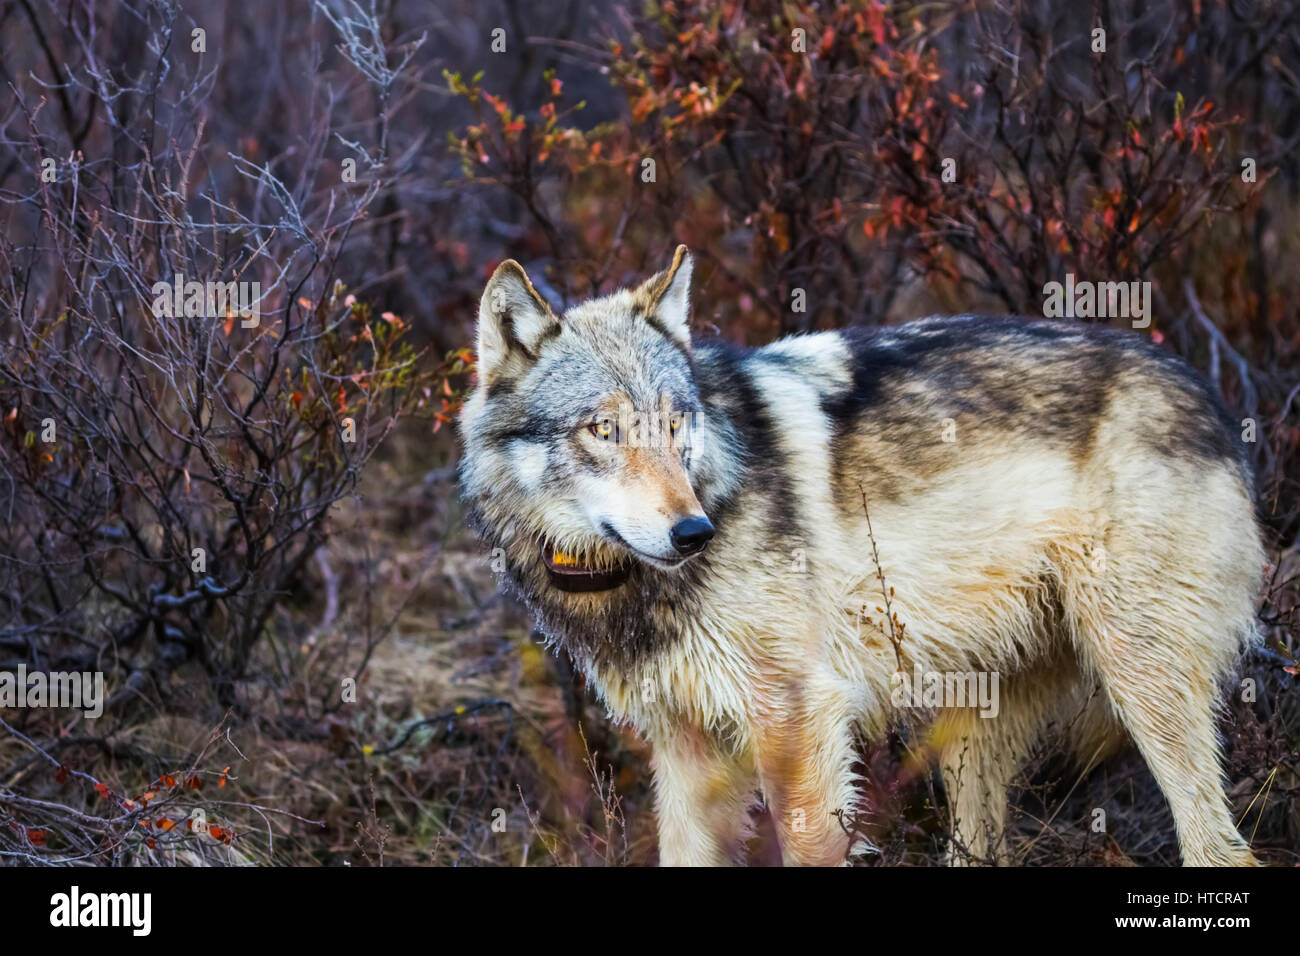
[666, 298]
[513, 320]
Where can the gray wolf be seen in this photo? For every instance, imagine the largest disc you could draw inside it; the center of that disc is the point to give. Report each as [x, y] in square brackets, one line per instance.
[709, 532]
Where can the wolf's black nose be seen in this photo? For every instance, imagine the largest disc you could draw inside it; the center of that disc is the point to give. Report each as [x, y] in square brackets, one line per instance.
[690, 535]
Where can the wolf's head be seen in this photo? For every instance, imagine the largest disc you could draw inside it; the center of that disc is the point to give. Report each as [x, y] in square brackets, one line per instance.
[583, 431]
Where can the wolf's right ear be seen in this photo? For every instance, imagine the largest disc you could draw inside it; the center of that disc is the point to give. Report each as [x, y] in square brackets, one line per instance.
[667, 297]
[513, 320]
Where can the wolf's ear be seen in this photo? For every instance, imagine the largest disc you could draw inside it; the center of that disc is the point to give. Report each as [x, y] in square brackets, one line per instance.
[666, 298]
[512, 322]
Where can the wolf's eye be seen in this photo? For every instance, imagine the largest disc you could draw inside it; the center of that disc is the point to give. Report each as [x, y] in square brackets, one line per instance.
[675, 422]
[603, 429]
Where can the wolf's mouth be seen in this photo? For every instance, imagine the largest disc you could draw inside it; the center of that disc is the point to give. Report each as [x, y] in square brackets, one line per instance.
[569, 574]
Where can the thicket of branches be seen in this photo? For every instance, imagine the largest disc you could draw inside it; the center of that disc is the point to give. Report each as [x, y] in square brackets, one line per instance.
[165, 478]
[129, 440]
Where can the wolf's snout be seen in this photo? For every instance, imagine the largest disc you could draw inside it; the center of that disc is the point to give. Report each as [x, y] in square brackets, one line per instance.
[690, 535]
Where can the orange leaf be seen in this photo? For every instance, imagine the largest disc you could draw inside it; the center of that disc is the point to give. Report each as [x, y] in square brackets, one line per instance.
[827, 42]
[164, 824]
[37, 837]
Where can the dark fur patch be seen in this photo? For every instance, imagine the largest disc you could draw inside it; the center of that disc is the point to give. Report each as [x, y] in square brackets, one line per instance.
[727, 391]
[1040, 382]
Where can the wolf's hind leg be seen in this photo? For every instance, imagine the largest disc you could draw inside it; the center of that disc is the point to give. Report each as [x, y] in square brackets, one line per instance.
[979, 756]
[1165, 698]
[1160, 654]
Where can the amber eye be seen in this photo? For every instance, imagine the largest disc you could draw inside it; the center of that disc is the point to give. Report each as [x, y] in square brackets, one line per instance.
[676, 421]
[603, 429]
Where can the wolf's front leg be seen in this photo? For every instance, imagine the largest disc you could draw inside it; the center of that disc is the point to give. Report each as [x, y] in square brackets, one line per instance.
[702, 795]
[805, 767]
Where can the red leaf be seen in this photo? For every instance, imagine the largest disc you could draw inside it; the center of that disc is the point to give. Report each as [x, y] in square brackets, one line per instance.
[827, 42]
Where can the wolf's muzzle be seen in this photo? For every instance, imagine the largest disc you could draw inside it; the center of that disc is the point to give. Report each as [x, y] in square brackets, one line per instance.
[690, 535]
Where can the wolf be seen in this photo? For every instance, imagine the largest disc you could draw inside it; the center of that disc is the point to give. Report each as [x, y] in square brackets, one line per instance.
[744, 549]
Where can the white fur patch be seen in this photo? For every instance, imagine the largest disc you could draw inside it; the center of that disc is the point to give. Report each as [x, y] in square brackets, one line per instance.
[530, 461]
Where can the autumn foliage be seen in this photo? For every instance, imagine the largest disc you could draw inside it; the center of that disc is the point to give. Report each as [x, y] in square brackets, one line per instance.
[830, 164]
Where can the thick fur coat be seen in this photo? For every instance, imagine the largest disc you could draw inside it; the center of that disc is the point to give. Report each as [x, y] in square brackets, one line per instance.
[1064, 506]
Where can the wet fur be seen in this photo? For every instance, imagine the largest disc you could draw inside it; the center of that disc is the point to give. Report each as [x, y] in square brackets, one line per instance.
[1089, 535]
